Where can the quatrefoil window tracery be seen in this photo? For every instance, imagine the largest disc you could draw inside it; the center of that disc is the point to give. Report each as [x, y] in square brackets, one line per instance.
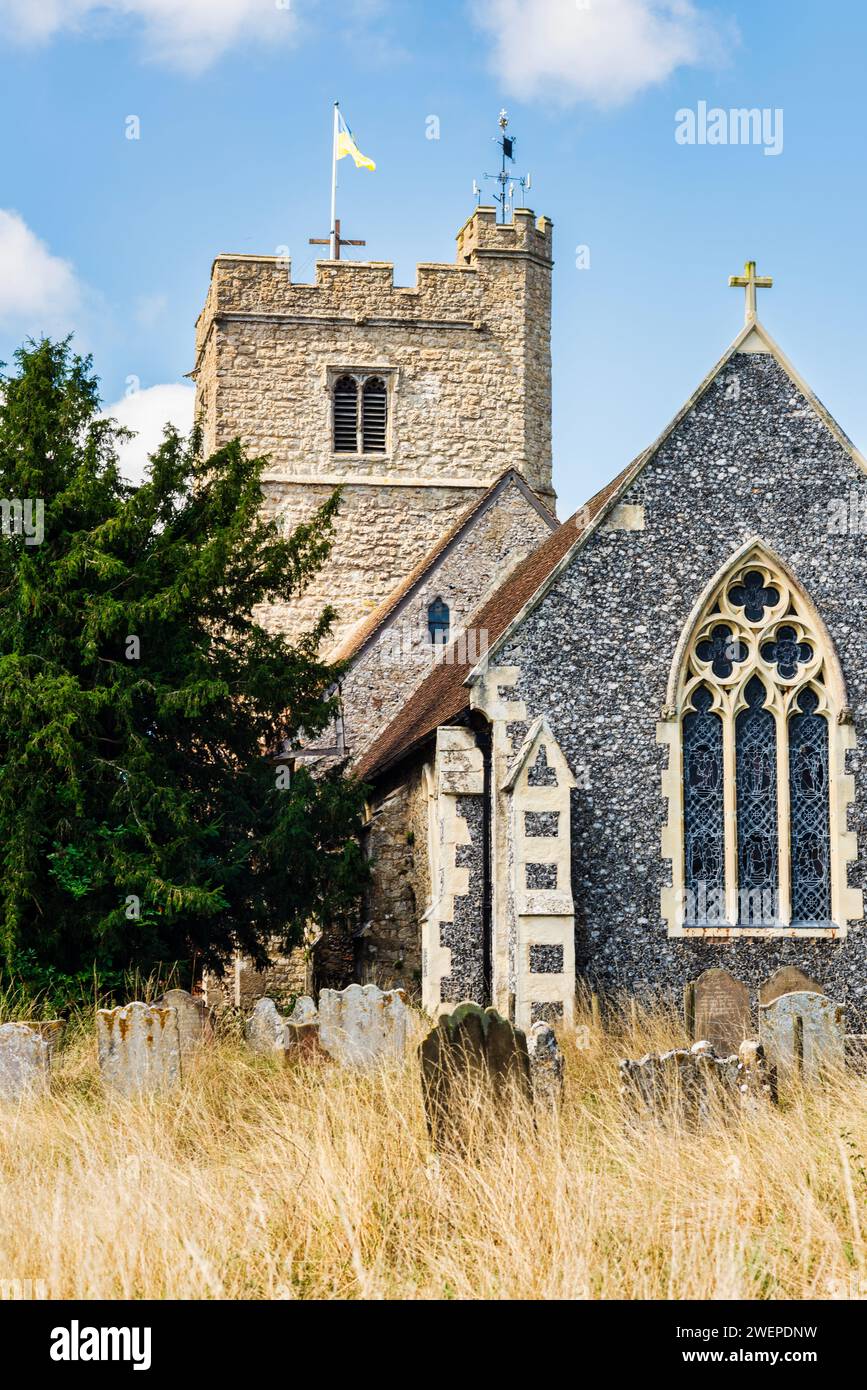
[722, 649]
[754, 595]
[787, 653]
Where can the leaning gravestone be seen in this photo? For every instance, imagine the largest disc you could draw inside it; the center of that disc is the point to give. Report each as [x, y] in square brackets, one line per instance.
[194, 1025]
[139, 1048]
[718, 1006]
[803, 1034]
[546, 1066]
[25, 1061]
[362, 1025]
[265, 1029]
[470, 1052]
[787, 980]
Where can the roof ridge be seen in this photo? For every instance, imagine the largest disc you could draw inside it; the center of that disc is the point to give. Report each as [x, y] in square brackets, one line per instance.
[443, 694]
[364, 631]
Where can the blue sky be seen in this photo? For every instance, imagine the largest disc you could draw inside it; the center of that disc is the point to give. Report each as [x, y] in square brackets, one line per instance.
[114, 237]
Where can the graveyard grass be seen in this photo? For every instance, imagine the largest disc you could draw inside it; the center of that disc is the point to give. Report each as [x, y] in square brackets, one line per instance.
[259, 1180]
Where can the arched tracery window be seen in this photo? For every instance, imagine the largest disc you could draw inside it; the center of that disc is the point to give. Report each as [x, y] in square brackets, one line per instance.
[756, 780]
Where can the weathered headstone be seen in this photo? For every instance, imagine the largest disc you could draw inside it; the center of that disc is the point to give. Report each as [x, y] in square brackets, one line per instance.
[302, 1042]
[25, 1061]
[694, 1084]
[305, 1011]
[546, 1065]
[720, 1011]
[51, 1030]
[471, 1052]
[139, 1048]
[787, 980]
[362, 1024]
[265, 1030]
[194, 1024]
[804, 1034]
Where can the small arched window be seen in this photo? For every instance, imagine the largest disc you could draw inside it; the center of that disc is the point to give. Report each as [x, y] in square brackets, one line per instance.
[360, 414]
[438, 622]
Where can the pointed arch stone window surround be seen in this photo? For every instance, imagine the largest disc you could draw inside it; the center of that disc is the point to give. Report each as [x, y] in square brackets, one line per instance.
[775, 640]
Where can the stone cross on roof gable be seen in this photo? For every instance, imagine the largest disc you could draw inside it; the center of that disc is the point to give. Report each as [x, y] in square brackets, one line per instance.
[750, 282]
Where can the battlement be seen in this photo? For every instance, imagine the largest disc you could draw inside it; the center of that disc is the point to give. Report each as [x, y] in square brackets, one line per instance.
[526, 235]
[362, 292]
[463, 362]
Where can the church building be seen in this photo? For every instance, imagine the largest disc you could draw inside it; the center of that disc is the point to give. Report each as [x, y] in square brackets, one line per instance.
[616, 749]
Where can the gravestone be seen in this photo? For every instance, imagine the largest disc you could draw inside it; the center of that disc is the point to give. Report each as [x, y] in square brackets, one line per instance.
[803, 1033]
[362, 1024]
[472, 1052]
[51, 1030]
[265, 1029]
[25, 1061]
[787, 980]
[194, 1024]
[546, 1065]
[695, 1085]
[305, 1011]
[718, 1008]
[139, 1048]
[302, 1042]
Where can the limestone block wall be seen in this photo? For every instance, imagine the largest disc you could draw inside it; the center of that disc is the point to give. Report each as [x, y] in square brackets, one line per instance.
[465, 354]
[388, 948]
[286, 979]
[399, 656]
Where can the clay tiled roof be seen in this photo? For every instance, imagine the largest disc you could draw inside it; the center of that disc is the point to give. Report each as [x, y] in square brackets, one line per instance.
[356, 639]
[443, 695]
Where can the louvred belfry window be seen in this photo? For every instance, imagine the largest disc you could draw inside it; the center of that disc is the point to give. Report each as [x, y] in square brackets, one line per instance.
[761, 716]
[360, 414]
[373, 415]
[346, 416]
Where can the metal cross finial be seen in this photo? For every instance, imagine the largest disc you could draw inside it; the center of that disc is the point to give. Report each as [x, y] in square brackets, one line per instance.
[335, 241]
[750, 282]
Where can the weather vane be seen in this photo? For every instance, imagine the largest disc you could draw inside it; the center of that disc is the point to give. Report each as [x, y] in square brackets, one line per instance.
[507, 181]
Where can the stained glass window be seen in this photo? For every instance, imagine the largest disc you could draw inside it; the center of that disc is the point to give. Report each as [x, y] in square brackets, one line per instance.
[753, 595]
[756, 782]
[703, 804]
[760, 701]
[810, 840]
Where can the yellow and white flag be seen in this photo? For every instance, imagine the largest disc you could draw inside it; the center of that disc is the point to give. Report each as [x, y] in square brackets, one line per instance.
[346, 145]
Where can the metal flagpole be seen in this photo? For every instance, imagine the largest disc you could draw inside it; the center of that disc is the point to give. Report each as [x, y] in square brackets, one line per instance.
[335, 250]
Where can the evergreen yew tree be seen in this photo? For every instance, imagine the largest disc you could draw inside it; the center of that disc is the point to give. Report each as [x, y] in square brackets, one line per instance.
[141, 819]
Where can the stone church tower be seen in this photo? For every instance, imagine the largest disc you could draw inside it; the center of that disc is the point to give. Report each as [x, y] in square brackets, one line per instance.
[413, 399]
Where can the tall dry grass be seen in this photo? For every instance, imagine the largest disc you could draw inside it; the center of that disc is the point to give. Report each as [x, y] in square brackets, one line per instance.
[259, 1181]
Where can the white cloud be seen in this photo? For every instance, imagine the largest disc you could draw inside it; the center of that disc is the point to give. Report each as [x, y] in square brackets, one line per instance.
[186, 34]
[602, 51]
[148, 412]
[39, 292]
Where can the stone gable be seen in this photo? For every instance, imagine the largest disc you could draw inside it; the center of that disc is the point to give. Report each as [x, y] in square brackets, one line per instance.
[753, 457]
